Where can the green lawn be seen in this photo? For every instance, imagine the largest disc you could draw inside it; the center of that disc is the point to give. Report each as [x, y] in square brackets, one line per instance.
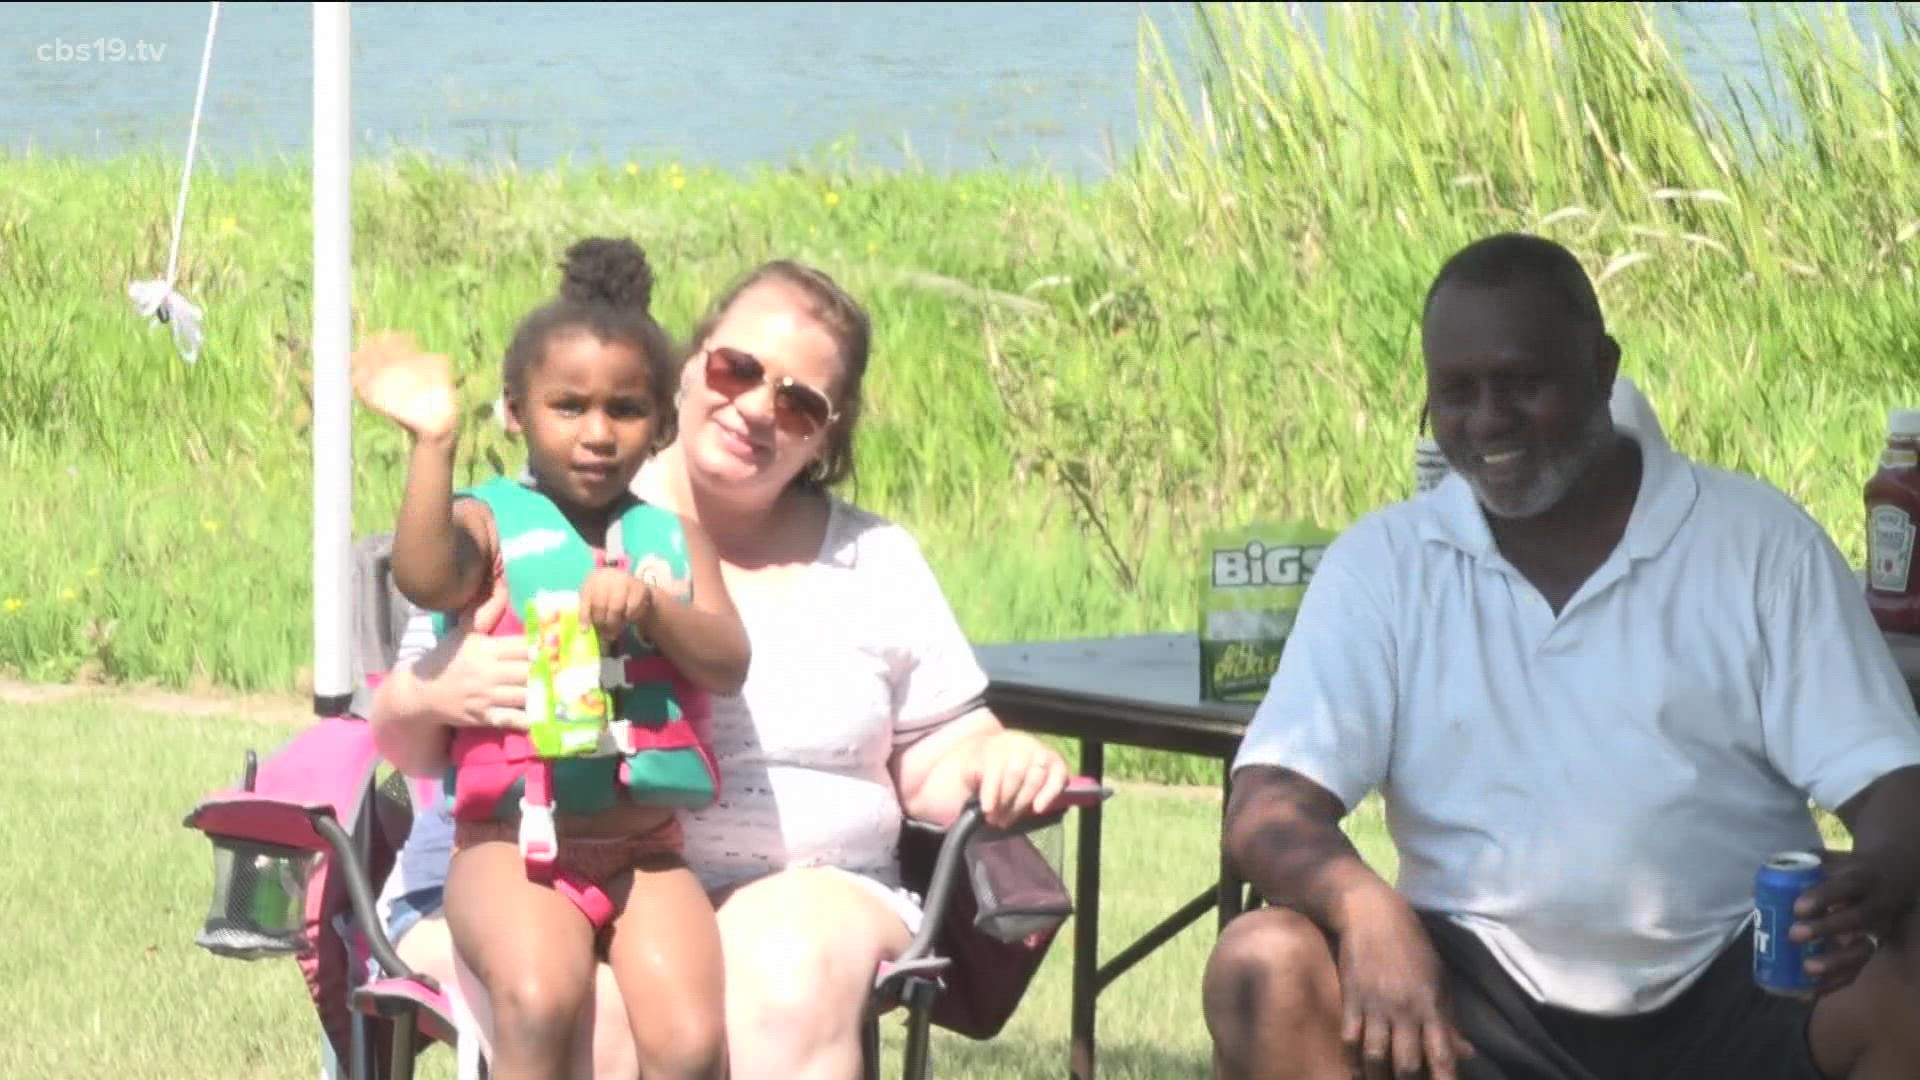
[108, 889]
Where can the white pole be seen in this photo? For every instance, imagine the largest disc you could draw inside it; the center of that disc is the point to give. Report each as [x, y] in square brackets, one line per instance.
[332, 339]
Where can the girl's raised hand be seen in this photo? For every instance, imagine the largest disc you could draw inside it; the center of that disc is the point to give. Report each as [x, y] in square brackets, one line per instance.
[414, 389]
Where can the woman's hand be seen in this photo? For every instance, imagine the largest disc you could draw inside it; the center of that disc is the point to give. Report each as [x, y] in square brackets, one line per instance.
[469, 679]
[474, 679]
[1012, 773]
[1015, 774]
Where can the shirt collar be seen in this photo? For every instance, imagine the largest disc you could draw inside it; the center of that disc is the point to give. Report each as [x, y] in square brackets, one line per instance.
[1668, 488]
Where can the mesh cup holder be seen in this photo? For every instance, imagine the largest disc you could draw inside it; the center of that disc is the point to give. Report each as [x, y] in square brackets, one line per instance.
[259, 906]
[1017, 888]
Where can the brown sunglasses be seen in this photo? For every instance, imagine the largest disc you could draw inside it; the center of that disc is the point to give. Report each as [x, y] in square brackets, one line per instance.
[799, 409]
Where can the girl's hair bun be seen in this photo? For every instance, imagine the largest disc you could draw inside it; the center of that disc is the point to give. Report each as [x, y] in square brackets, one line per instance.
[603, 270]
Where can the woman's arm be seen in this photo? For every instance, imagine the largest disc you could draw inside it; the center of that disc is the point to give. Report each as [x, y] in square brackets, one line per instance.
[948, 746]
[1013, 773]
[407, 727]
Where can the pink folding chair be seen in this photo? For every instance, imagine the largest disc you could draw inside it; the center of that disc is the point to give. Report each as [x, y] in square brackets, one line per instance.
[302, 845]
[300, 848]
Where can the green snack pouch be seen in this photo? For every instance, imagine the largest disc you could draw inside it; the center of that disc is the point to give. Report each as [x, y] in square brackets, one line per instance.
[566, 708]
[1256, 577]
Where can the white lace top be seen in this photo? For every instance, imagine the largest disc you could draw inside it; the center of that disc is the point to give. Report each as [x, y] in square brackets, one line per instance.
[861, 656]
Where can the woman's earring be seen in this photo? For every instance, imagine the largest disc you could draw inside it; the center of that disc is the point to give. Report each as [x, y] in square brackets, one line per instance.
[679, 396]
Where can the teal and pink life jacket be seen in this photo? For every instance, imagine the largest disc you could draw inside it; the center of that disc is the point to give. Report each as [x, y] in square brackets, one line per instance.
[657, 755]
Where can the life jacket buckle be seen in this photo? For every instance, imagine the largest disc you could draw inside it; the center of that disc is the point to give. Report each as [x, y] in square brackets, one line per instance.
[539, 842]
[621, 732]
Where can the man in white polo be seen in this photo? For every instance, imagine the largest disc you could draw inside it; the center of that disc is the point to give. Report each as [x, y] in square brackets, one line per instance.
[1596, 684]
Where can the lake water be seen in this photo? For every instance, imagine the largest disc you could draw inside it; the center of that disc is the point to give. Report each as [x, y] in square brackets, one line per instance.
[734, 85]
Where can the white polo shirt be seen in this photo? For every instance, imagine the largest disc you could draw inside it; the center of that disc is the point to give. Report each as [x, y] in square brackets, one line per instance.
[1591, 794]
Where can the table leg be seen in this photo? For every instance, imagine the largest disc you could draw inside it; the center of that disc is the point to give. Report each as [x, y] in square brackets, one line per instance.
[1086, 932]
[1231, 888]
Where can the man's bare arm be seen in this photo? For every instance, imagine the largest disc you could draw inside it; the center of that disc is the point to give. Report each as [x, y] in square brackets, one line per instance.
[1884, 821]
[1283, 835]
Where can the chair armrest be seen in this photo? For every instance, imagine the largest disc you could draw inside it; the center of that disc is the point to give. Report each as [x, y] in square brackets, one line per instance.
[1080, 793]
[353, 874]
[415, 1001]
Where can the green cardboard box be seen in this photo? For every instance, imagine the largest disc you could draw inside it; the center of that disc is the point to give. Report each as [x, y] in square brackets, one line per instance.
[1255, 578]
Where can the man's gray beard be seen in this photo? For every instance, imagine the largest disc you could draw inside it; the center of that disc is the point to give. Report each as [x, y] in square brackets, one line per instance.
[1555, 476]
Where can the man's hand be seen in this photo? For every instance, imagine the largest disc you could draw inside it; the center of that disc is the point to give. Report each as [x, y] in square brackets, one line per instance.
[1860, 902]
[1396, 1023]
[412, 388]
[612, 600]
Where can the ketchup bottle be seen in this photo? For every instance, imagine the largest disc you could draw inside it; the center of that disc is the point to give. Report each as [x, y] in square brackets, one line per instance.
[1893, 508]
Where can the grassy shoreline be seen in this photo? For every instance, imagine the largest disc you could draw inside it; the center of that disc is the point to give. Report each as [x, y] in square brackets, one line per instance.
[1096, 372]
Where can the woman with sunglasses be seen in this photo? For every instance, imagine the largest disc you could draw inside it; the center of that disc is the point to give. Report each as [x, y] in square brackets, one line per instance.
[863, 702]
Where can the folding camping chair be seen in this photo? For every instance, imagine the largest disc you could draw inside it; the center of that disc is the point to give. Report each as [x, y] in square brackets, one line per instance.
[994, 902]
[305, 842]
[301, 847]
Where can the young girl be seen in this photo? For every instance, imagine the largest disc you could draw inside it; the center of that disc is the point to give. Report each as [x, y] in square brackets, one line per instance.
[554, 855]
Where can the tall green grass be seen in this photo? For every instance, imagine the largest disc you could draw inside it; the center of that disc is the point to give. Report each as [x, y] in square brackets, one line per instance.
[1071, 381]
[1246, 344]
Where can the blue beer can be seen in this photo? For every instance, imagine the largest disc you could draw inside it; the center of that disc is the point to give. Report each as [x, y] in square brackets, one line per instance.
[1779, 965]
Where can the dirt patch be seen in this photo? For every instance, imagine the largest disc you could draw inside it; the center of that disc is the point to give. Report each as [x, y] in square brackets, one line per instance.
[272, 709]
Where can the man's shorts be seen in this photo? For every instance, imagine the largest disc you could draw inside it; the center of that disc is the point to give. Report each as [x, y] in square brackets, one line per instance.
[1722, 1026]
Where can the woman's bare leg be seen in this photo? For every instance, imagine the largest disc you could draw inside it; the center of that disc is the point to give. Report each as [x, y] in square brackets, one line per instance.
[801, 949]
